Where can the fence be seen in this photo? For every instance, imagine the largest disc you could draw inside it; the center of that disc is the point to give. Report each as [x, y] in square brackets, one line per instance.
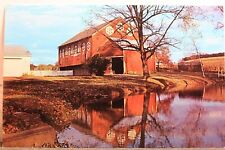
[51, 73]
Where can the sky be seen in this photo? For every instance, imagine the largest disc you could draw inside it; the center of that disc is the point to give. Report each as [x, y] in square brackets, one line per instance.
[42, 28]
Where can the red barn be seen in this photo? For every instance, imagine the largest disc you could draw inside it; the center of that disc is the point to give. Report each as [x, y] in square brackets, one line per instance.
[75, 51]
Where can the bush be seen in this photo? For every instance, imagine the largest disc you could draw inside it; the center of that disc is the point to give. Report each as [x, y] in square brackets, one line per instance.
[97, 65]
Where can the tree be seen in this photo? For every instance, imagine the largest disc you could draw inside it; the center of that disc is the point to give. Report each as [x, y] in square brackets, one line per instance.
[219, 10]
[97, 65]
[148, 25]
[163, 57]
[212, 14]
[42, 67]
[33, 67]
[56, 66]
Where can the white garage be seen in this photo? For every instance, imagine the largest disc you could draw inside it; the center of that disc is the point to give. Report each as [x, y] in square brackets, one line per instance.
[16, 61]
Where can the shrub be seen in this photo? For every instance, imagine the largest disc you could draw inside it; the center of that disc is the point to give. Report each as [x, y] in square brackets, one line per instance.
[97, 65]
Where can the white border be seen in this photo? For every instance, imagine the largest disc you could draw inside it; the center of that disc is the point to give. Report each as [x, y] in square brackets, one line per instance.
[115, 2]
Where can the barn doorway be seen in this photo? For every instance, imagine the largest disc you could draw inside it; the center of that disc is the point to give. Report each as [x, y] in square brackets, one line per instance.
[117, 65]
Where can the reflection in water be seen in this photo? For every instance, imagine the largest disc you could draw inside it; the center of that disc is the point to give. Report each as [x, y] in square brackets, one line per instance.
[215, 93]
[119, 123]
[184, 119]
[164, 120]
[194, 94]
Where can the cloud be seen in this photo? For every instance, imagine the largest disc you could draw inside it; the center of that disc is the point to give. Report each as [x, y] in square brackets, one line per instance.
[214, 40]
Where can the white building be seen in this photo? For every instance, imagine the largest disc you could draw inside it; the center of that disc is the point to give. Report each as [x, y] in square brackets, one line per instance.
[16, 61]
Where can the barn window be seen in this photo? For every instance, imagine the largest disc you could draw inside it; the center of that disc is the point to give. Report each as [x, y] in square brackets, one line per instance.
[69, 50]
[65, 51]
[79, 49]
[83, 47]
[75, 49]
[62, 53]
[72, 50]
[88, 46]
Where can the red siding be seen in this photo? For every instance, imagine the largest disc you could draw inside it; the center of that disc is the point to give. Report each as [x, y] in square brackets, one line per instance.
[134, 64]
[78, 58]
[134, 105]
[151, 64]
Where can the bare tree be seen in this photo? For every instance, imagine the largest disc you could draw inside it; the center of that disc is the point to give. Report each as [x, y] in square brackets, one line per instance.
[213, 15]
[200, 60]
[148, 25]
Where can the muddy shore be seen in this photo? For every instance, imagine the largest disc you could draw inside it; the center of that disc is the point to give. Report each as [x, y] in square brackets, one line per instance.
[33, 101]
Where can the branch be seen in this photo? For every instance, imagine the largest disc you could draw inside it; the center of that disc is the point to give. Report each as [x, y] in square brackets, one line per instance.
[170, 25]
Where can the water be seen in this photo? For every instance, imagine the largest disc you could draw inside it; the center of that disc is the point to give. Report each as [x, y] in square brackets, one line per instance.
[183, 119]
[193, 118]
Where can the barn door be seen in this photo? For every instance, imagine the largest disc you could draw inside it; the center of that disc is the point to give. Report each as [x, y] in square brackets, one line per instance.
[117, 65]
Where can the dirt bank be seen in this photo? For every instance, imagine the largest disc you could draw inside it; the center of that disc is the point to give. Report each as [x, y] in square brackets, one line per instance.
[173, 82]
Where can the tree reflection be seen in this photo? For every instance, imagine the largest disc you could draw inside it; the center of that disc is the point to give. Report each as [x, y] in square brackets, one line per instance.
[165, 103]
[148, 120]
[144, 118]
[192, 128]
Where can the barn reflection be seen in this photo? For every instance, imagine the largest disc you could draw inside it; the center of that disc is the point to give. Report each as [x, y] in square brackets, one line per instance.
[118, 122]
[129, 122]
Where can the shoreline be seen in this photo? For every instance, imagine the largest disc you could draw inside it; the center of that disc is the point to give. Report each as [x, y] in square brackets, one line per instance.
[178, 82]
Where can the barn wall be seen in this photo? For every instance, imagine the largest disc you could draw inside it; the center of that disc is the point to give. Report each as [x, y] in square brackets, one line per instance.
[133, 64]
[75, 58]
[151, 64]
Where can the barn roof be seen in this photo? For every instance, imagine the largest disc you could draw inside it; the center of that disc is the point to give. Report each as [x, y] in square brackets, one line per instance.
[16, 51]
[86, 33]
